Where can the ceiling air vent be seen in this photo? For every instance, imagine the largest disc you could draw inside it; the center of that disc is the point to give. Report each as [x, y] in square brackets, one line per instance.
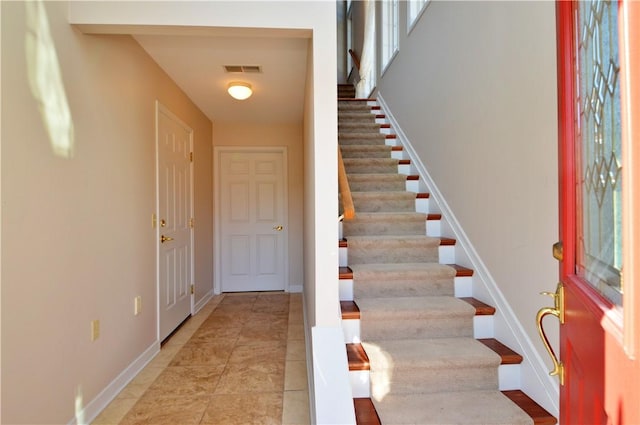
[243, 68]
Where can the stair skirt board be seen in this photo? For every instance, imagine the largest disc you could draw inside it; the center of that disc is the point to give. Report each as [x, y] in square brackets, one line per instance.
[426, 348]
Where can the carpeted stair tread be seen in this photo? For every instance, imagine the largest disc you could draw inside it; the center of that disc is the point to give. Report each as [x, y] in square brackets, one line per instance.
[377, 182]
[429, 352]
[365, 134]
[432, 365]
[362, 140]
[393, 249]
[358, 127]
[366, 151]
[462, 408]
[356, 116]
[401, 280]
[386, 201]
[346, 91]
[353, 103]
[385, 223]
[388, 270]
[373, 165]
[392, 307]
[414, 318]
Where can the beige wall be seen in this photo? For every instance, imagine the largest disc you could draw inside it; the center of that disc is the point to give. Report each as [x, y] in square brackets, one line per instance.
[291, 137]
[77, 241]
[316, 19]
[474, 89]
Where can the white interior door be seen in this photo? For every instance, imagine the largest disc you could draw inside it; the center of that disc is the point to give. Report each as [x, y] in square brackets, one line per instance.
[252, 220]
[173, 222]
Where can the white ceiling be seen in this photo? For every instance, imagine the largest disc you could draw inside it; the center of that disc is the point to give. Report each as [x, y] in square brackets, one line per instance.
[196, 64]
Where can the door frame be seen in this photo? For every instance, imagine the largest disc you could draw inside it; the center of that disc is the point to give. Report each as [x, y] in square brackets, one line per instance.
[217, 153]
[160, 108]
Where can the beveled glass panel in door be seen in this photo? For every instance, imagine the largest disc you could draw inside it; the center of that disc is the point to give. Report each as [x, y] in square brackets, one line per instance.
[599, 248]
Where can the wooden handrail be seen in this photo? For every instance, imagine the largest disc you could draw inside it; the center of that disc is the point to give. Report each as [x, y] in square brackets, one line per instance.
[345, 192]
[355, 59]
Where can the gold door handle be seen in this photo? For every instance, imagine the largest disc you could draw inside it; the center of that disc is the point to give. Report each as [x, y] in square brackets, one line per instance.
[557, 311]
[164, 239]
[278, 228]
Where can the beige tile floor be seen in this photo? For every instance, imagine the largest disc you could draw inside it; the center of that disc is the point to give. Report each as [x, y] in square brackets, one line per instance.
[240, 360]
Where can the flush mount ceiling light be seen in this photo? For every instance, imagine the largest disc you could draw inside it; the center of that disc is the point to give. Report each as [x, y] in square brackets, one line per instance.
[239, 90]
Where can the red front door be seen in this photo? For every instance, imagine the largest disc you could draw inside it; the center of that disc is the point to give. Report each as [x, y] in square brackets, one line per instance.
[599, 108]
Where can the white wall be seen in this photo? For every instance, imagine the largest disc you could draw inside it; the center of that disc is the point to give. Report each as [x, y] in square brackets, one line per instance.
[77, 241]
[474, 89]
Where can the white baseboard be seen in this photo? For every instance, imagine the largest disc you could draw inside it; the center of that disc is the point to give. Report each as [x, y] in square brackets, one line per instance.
[203, 301]
[535, 379]
[88, 413]
[295, 289]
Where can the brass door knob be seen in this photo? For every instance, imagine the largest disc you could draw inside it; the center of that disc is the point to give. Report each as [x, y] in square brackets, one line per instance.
[278, 228]
[164, 239]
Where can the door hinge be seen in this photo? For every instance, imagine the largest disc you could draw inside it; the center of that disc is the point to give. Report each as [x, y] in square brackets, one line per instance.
[192, 222]
[191, 156]
[193, 289]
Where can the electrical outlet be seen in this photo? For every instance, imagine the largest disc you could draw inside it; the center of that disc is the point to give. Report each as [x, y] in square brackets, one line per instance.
[137, 305]
[95, 329]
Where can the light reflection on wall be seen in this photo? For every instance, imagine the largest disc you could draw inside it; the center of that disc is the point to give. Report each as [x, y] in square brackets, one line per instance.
[79, 408]
[45, 80]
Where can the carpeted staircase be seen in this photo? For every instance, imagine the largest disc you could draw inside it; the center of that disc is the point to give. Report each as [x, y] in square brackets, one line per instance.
[409, 338]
